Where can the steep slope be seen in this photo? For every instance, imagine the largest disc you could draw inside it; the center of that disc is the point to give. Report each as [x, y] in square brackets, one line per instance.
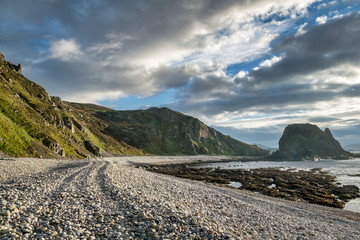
[309, 142]
[163, 131]
[34, 124]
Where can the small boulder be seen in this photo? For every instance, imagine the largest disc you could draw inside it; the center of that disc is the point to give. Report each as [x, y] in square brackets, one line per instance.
[93, 148]
[54, 146]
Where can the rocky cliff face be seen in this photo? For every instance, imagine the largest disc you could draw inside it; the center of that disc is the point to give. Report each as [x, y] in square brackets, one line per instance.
[308, 142]
[32, 123]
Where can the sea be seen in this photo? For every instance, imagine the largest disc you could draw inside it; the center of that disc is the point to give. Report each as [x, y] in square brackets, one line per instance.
[341, 169]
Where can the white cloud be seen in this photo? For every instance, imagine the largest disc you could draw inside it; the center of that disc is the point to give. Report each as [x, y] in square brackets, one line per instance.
[241, 74]
[301, 29]
[64, 49]
[270, 62]
[321, 20]
[324, 5]
[113, 44]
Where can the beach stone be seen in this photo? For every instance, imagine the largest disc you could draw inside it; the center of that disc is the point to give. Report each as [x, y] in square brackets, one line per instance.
[204, 229]
[138, 229]
[12, 207]
[171, 228]
[5, 213]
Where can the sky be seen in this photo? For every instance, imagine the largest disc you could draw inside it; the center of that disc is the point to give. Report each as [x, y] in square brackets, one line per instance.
[248, 68]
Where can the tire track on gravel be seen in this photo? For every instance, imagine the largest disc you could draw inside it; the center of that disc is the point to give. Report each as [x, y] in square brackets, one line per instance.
[53, 201]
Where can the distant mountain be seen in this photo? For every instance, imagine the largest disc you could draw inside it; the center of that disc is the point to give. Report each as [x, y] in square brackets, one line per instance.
[308, 142]
[164, 131]
[352, 147]
[266, 147]
[32, 123]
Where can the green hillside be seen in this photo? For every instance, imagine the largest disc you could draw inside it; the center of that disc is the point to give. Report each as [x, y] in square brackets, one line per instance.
[35, 124]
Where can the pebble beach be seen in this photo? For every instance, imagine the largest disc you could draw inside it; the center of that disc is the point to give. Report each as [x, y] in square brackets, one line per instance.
[109, 199]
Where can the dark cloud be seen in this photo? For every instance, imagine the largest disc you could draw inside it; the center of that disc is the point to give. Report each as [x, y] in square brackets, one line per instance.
[92, 77]
[272, 99]
[322, 119]
[321, 47]
[172, 77]
[91, 21]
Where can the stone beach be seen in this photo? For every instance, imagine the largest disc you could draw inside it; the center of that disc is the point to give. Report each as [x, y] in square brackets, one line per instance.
[108, 199]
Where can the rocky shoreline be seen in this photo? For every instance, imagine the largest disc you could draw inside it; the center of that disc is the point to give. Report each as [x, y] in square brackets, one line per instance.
[108, 199]
[315, 186]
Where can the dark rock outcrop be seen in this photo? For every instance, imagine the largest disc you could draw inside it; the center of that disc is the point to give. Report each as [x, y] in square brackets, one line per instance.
[68, 123]
[54, 146]
[308, 142]
[314, 186]
[93, 148]
[15, 67]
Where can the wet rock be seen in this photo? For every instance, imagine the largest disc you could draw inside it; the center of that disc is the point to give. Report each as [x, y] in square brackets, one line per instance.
[306, 186]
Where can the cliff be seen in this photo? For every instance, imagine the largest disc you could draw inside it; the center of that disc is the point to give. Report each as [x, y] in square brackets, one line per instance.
[32, 123]
[308, 142]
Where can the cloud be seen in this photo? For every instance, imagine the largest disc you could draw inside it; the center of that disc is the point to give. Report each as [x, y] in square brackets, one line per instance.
[320, 48]
[269, 62]
[315, 79]
[321, 20]
[118, 45]
[64, 49]
[302, 29]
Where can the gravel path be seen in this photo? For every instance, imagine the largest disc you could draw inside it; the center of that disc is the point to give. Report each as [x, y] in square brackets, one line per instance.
[102, 199]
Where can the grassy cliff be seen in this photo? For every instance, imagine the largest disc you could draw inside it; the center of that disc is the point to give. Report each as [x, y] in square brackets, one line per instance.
[34, 124]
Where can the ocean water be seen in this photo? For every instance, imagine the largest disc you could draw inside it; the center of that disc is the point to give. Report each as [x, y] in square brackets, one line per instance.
[341, 169]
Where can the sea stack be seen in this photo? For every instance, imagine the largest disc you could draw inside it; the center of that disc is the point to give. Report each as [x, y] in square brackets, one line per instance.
[308, 142]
